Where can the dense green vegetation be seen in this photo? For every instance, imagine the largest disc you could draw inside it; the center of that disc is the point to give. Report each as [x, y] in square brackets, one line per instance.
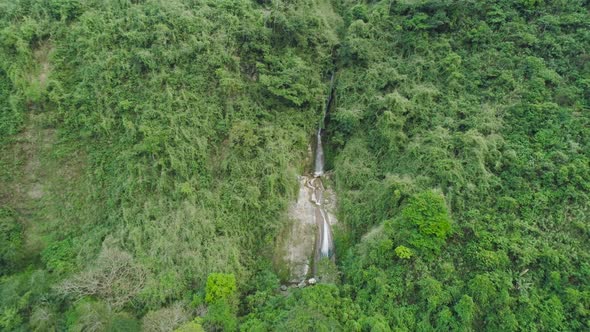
[487, 103]
[148, 152]
[182, 125]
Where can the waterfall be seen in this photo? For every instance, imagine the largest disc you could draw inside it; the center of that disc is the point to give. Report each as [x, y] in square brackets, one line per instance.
[319, 151]
[326, 248]
[325, 245]
[319, 155]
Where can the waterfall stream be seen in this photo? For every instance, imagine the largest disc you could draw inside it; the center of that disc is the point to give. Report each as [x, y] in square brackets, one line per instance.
[309, 238]
[324, 245]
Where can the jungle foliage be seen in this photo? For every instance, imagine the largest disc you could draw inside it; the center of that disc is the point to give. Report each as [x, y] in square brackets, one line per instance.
[149, 150]
[172, 133]
[461, 144]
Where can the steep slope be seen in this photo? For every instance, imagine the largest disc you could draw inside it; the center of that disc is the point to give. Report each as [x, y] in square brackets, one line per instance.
[463, 133]
[149, 152]
[188, 120]
[460, 144]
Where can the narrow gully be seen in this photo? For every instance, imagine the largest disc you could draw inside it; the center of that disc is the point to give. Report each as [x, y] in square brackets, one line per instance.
[324, 243]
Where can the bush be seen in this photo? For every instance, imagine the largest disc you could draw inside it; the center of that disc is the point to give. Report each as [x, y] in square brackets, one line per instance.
[10, 241]
[59, 256]
[424, 223]
[220, 286]
[403, 252]
[221, 316]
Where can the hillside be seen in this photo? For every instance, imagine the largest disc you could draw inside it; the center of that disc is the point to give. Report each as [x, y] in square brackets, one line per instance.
[150, 153]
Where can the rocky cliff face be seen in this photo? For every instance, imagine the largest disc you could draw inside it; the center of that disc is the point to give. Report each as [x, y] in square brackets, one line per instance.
[300, 243]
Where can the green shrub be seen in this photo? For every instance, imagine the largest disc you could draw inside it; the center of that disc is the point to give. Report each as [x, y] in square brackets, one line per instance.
[11, 238]
[424, 223]
[220, 286]
[403, 252]
[59, 256]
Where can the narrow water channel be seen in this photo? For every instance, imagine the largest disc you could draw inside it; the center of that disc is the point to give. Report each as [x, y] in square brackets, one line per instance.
[324, 243]
[309, 238]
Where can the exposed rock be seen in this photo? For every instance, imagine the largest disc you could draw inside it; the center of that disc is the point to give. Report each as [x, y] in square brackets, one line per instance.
[298, 243]
[330, 204]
